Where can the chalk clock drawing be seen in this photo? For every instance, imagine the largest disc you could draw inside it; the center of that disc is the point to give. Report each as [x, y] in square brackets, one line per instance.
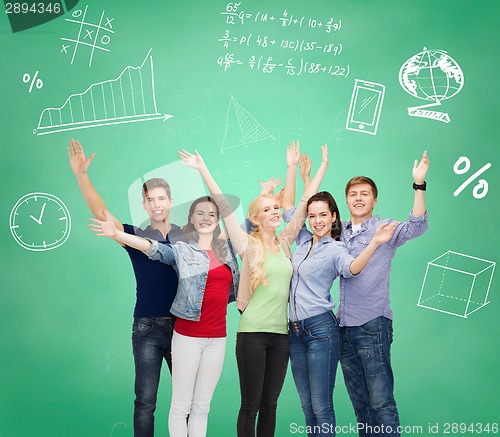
[40, 221]
[130, 98]
[433, 76]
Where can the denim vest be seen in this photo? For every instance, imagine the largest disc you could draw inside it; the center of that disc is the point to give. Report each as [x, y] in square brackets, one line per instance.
[191, 264]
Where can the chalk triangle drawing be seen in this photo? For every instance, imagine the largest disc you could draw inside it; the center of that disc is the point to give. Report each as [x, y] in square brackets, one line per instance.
[241, 128]
[129, 98]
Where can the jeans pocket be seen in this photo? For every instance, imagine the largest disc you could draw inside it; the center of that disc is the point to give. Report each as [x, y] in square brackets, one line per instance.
[322, 329]
[373, 327]
[142, 327]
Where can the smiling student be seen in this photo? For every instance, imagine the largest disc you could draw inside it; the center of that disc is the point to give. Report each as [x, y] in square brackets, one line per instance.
[156, 285]
[208, 279]
[262, 344]
[364, 312]
[314, 332]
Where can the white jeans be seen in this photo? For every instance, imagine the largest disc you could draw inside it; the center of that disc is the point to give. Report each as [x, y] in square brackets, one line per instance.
[196, 368]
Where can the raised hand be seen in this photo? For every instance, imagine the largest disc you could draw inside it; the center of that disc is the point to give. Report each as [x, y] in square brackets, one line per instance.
[194, 161]
[384, 232]
[420, 169]
[292, 154]
[279, 197]
[305, 165]
[102, 228]
[79, 164]
[324, 154]
[269, 186]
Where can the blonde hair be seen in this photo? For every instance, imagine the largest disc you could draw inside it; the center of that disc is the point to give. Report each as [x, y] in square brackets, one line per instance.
[255, 250]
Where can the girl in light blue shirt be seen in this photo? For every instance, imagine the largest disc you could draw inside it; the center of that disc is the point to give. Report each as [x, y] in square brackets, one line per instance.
[314, 333]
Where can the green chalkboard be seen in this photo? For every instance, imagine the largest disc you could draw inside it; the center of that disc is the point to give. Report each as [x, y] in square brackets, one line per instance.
[380, 81]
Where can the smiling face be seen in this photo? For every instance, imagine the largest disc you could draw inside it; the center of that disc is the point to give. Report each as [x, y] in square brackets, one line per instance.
[265, 213]
[157, 204]
[320, 219]
[360, 201]
[204, 217]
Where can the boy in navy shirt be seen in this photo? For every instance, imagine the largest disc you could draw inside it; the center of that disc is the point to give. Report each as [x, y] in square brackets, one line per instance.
[156, 286]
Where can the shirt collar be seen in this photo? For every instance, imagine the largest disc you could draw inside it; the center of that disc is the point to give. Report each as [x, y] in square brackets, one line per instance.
[367, 223]
[174, 231]
[323, 240]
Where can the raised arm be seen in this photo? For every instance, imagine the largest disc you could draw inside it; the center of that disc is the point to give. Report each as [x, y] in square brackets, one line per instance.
[79, 165]
[107, 228]
[238, 236]
[293, 228]
[305, 165]
[292, 160]
[382, 235]
[419, 173]
[320, 174]
[154, 250]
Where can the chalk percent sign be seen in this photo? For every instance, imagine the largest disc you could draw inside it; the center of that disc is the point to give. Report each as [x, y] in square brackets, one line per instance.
[481, 189]
[34, 81]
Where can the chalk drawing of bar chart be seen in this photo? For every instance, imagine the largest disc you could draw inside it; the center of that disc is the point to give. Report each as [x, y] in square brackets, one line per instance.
[129, 98]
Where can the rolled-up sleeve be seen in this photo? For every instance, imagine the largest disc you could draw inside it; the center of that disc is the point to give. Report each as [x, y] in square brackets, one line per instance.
[161, 252]
[413, 228]
[342, 261]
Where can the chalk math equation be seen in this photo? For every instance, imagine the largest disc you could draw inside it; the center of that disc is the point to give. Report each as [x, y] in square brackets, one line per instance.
[269, 35]
[292, 67]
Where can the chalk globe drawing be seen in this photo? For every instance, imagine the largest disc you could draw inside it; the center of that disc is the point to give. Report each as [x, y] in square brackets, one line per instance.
[431, 75]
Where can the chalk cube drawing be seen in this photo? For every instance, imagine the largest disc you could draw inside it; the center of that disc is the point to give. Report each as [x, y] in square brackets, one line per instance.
[456, 284]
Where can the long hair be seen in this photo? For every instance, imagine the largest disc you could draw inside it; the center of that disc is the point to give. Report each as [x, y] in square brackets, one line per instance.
[190, 233]
[255, 250]
[325, 196]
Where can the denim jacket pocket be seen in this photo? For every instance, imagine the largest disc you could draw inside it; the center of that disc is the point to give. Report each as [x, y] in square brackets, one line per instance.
[192, 261]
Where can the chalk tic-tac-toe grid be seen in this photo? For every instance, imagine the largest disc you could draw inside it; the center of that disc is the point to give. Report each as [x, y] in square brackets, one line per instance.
[94, 35]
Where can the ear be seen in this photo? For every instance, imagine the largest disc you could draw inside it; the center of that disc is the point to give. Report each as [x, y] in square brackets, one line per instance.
[170, 201]
[144, 205]
[375, 202]
[334, 217]
[254, 221]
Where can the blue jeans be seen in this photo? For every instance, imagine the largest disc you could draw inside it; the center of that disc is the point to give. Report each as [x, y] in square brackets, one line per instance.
[314, 356]
[365, 356]
[151, 344]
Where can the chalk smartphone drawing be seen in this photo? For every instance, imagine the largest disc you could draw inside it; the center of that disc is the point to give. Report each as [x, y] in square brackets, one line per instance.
[481, 189]
[456, 284]
[39, 222]
[130, 98]
[433, 76]
[241, 128]
[366, 106]
[91, 35]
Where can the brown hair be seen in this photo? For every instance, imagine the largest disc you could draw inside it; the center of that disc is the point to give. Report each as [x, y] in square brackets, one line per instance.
[325, 196]
[190, 232]
[358, 180]
[155, 183]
